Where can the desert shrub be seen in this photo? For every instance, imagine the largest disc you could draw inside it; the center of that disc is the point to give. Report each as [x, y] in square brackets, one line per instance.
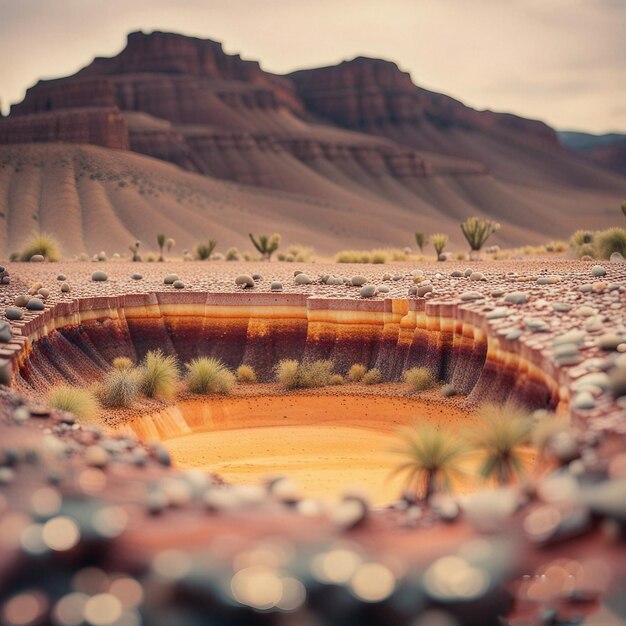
[460, 256]
[265, 244]
[82, 403]
[246, 374]
[151, 257]
[293, 375]
[336, 379]
[419, 378]
[399, 255]
[420, 240]
[206, 375]
[158, 375]
[287, 373]
[232, 254]
[379, 257]
[587, 249]
[205, 250]
[299, 254]
[120, 388]
[610, 241]
[372, 377]
[356, 372]
[122, 363]
[581, 237]
[41, 243]
[477, 230]
[439, 241]
[556, 246]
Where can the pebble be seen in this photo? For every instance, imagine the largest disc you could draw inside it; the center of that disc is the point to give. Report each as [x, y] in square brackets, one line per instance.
[609, 341]
[5, 332]
[303, 279]
[21, 300]
[476, 276]
[96, 456]
[367, 291]
[586, 311]
[276, 286]
[423, 290]
[35, 304]
[598, 270]
[99, 277]
[37, 258]
[244, 280]
[516, 297]
[471, 295]
[65, 288]
[616, 257]
[257, 277]
[383, 289]
[561, 307]
[170, 279]
[61, 277]
[583, 401]
[13, 313]
[498, 313]
[358, 281]
[136, 276]
[456, 274]
[179, 284]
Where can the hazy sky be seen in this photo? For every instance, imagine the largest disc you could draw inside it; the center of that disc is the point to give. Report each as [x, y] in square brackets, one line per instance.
[562, 61]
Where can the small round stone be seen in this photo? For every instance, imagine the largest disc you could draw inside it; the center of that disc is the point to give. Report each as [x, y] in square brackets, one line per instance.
[44, 293]
[598, 270]
[65, 288]
[358, 281]
[37, 258]
[303, 279]
[35, 304]
[21, 300]
[179, 284]
[13, 313]
[257, 277]
[516, 297]
[245, 281]
[61, 277]
[136, 276]
[423, 290]
[170, 279]
[616, 257]
[5, 332]
[96, 456]
[99, 277]
[368, 291]
[276, 286]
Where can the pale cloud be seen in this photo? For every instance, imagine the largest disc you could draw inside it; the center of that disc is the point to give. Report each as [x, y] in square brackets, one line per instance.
[557, 60]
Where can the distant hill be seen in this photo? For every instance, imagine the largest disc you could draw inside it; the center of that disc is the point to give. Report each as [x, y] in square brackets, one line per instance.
[350, 155]
[607, 150]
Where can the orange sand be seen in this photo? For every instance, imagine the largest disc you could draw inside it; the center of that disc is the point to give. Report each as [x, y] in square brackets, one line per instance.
[324, 443]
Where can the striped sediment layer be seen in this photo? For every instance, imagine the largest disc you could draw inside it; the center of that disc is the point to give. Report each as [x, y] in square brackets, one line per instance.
[75, 341]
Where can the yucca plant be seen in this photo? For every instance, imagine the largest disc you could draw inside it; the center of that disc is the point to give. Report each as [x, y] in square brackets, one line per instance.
[207, 375]
[433, 458]
[158, 375]
[499, 437]
[477, 230]
[205, 250]
[439, 241]
[80, 402]
[266, 245]
[44, 244]
[420, 240]
[161, 239]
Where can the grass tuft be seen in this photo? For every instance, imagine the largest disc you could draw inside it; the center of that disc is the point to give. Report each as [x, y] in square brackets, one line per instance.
[120, 388]
[80, 402]
[207, 375]
[123, 363]
[246, 374]
[158, 375]
[41, 243]
[356, 372]
[372, 377]
[419, 378]
[293, 375]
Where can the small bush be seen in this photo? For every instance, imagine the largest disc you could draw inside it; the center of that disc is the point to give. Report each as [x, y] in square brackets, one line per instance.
[372, 377]
[232, 254]
[610, 241]
[205, 250]
[207, 375]
[299, 254]
[41, 243]
[293, 375]
[158, 375]
[80, 402]
[581, 237]
[439, 241]
[419, 378]
[246, 374]
[336, 379]
[379, 257]
[123, 363]
[287, 373]
[120, 388]
[356, 372]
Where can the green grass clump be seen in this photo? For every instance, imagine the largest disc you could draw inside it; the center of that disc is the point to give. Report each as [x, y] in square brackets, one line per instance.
[82, 403]
[336, 379]
[372, 377]
[41, 243]
[246, 374]
[158, 375]
[356, 372]
[120, 388]
[293, 375]
[419, 378]
[123, 363]
[609, 241]
[207, 375]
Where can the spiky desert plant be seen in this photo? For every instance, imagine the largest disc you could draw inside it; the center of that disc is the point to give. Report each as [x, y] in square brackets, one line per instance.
[500, 436]
[356, 372]
[419, 378]
[207, 375]
[287, 373]
[420, 240]
[609, 241]
[123, 363]
[477, 230]
[120, 388]
[246, 374]
[439, 241]
[433, 458]
[158, 375]
[134, 248]
[372, 377]
[161, 243]
[44, 244]
[82, 403]
[205, 250]
[265, 244]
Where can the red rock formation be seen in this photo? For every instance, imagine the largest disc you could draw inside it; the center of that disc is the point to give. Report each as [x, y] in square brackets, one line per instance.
[100, 126]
